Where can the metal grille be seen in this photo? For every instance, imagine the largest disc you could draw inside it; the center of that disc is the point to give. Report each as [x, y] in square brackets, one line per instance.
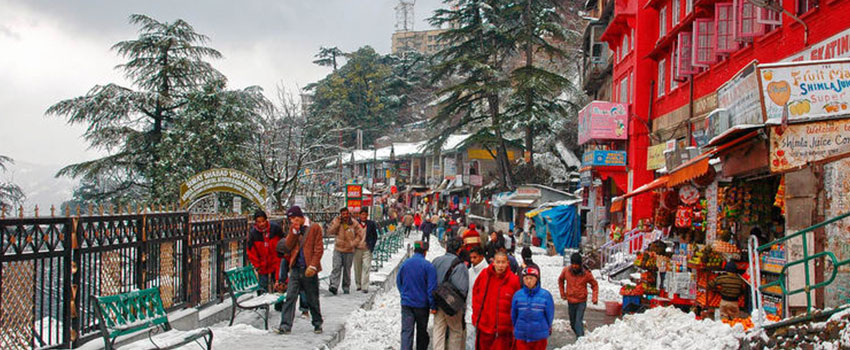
[206, 272]
[110, 273]
[166, 273]
[17, 309]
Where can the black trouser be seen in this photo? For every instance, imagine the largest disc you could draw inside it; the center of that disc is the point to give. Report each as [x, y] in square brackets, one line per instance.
[310, 286]
[414, 319]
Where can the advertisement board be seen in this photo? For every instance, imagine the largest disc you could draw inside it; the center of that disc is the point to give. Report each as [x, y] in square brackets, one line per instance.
[810, 90]
[741, 99]
[799, 144]
[354, 197]
[604, 158]
[601, 120]
[655, 157]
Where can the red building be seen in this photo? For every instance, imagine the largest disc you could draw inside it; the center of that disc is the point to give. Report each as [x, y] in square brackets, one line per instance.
[670, 57]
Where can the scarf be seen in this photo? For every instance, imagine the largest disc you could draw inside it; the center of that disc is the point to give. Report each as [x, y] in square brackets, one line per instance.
[264, 229]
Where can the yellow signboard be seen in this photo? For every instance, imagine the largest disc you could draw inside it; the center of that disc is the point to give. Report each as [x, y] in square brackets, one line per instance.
[222, 180]
[655, 157]
[478, 153]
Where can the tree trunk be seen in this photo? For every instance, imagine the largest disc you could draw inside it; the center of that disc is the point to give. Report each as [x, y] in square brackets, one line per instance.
[502, 150]
[529, 144]
[529, 61]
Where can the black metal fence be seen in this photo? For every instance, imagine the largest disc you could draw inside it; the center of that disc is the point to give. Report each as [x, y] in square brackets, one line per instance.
[49, 267]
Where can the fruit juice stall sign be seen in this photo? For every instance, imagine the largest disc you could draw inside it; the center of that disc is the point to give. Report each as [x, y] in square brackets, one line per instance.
[799, 144]
[354, 197]
[601, 120]
[810, 90]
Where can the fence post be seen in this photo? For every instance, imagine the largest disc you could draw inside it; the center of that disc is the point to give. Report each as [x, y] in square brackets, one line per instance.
[141, 262]
[219, 262]
[187, 261]
[72, 284]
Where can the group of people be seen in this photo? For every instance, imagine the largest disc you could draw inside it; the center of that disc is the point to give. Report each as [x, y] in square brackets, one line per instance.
[505, 307]
[289, 259]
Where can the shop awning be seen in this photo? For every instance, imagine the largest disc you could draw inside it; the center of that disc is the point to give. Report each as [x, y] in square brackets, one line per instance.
[659, 182]
[698, 166]
[521, 203]
[618, 175]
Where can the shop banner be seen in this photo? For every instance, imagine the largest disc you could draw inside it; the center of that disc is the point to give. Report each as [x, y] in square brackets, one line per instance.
[354, 197]
[740, 98]
[604, 158]
[799, 144]
[601, 120]
[655, 157]
[809, 90]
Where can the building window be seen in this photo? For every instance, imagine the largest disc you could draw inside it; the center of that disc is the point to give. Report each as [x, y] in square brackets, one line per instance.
[685, 55]
[632, 37]
[624, 90]
[632, 86]
[661, 84]
[674, 62]
[703, 42]
[769, 17]
[724, 38]
[804, 6]
[662, 22]
[625, 46]
[689, 6]
[747, 26]
[674, 14]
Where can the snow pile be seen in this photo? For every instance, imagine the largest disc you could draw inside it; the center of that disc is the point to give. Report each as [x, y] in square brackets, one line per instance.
[661, 328]
[379, 328]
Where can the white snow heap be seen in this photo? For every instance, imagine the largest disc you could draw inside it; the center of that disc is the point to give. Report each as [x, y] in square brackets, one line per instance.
[662, 328]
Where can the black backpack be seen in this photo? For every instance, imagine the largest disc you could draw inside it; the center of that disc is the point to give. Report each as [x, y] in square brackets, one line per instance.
[447, 297]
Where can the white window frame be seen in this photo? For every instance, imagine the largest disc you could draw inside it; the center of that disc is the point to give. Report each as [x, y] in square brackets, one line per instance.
[662, 22]
[689, 7]
[662, 85]
[674, 14]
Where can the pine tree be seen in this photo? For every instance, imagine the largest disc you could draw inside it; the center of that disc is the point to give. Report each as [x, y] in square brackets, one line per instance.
[10, 193]
[165, 64]
[327, 57]
[472, 69]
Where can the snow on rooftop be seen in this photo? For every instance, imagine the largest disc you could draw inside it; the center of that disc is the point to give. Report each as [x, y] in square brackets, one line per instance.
[567, 155]
[661, 328]
[453, 141]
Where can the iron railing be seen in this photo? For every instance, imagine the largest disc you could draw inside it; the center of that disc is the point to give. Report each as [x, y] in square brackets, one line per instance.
[50, 265]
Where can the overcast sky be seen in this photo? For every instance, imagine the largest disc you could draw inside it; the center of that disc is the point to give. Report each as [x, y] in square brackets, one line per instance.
[54, 50]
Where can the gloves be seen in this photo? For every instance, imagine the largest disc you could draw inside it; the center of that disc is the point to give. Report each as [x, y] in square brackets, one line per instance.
[311, 271]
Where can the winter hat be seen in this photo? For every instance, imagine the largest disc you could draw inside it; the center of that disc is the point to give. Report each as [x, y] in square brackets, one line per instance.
[575, 259]
[260, 214]
[471, 226]
[531, 271]
[294, 211]
[526, 253]
[420, 245]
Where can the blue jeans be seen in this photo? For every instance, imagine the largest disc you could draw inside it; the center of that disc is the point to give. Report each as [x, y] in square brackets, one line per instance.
[414, 317]
[577, 317]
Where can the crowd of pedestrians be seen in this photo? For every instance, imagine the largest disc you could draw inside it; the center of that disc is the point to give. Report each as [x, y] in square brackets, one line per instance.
[504, 305]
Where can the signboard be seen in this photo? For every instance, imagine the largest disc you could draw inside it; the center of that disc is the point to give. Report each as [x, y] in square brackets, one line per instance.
[601, 120]
[740, 98]
[478, 153]
[354, 197]
[655, 157]
[450, 167]
[476, 180]
[300, 200]
[604, 158]
[799, 144]
[586, 177]
[810, 91]
[222, 180]
[836, 46]
[237, 205]
[527, 192]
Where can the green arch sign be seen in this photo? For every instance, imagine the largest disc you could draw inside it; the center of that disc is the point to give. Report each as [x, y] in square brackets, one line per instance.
[222, 180]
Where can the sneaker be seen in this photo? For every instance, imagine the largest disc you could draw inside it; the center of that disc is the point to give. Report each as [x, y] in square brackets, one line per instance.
[305, 314]
[317, 330]
[282, 330]
[332, 290]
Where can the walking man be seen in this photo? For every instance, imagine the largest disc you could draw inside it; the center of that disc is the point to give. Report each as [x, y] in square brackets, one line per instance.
[450, 268]
[572, 284]
[416, 280]
[305, 249]
[363, 252]
[262, 249]
[476, 266]
[348, 234]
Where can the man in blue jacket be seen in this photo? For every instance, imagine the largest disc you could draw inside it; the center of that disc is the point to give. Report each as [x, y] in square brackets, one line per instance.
[416, 280]
[532, 312]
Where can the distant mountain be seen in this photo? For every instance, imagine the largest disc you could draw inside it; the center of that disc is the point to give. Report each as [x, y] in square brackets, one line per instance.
[39, 185]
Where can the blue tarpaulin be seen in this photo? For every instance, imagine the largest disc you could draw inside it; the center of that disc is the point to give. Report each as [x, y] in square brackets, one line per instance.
[563, 223]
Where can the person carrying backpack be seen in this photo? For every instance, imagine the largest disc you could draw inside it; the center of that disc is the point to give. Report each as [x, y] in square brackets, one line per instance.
[450, 269]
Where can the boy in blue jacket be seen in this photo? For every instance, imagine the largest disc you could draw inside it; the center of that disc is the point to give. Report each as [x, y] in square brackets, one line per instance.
[416, 280]
[532, 312]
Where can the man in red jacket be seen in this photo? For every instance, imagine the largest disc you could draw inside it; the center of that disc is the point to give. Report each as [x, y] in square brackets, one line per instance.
[492, 295]
[572, 283]
[262, 249]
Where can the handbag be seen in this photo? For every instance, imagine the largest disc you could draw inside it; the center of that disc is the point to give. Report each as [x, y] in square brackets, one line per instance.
[447, 297]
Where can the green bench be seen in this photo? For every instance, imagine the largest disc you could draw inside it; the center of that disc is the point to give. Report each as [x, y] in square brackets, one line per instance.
[242, 281]
[131, 312]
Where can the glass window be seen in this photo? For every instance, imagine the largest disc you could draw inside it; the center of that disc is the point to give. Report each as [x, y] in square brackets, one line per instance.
[674, 13]
[661, 84]
[662, 22]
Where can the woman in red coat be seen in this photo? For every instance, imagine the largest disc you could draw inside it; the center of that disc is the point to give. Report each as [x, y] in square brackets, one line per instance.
[492, 294]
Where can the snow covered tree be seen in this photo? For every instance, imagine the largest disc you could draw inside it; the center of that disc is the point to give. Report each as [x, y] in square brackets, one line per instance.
[288, 146]
[472, 68]
[539, 31]
[10, 193]
[327, 57]
[165, 64]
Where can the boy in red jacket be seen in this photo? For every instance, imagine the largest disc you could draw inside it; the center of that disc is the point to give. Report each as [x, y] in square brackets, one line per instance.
[262, 249]
[572, 283]
[492, 295]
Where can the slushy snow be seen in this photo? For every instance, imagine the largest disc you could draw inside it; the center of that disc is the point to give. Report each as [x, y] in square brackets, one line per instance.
[661, 328]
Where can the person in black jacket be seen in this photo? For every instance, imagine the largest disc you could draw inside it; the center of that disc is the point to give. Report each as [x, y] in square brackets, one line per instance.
[363, 252]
